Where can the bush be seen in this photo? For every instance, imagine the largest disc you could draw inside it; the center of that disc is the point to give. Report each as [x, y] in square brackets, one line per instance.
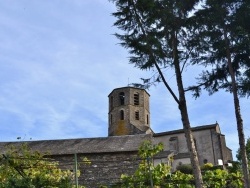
[207, 166]
[185, 168]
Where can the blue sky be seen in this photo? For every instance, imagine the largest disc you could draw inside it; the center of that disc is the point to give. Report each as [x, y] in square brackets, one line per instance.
[59, 60]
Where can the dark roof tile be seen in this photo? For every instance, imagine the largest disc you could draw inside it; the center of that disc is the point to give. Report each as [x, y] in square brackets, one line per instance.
[199, 128]
[83, 145]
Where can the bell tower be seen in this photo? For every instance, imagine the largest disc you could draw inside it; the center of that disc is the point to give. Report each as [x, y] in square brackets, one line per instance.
[129, 112]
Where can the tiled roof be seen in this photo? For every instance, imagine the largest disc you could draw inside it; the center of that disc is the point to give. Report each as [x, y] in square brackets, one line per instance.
[84, 145]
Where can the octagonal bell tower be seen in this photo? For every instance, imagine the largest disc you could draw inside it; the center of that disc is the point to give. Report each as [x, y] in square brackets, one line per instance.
[129, 112]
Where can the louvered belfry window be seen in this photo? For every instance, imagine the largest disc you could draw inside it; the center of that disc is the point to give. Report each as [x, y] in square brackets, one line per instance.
[137, 117]
[136, 99]
[122, 98]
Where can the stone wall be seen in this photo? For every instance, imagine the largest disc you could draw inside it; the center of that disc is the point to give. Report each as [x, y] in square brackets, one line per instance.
[105, 168]
[210, 144]
[126, 109]
[226, 152]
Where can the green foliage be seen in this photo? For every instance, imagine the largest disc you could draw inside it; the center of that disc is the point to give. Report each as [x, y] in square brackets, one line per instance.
[150, 27]
[162, 175]
[181, 180]
[239, 155]
[22, 168]
[215, 178]
[235, 180]
[164, 33]
[219, 178]
[207, 166]
[155, 34]
[220, 39]
[185, 168]
[236, 167]
[147, 150]
[220, 33]
[146, 172]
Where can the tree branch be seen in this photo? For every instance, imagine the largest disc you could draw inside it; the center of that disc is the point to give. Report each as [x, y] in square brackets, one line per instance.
[152, 55]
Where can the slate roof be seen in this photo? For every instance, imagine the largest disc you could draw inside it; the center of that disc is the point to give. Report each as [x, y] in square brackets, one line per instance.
[95, 145]
[128, 87]
[199, 128]
[84, 145]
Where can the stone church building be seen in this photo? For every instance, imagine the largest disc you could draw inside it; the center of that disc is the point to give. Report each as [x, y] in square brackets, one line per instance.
[129, 126]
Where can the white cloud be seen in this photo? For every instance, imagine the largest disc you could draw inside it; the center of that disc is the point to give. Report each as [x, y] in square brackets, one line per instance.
[59, 61]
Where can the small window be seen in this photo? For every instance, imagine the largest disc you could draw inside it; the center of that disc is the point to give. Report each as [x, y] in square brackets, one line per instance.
[136, 99]
[147, 119]
[121, 115]
[137, 117]
[122, 98]
[173, 144]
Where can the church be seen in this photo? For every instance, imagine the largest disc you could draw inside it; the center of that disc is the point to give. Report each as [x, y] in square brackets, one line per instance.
[129, 126]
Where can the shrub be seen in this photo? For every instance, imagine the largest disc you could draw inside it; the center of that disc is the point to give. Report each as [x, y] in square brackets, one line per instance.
[185, 168]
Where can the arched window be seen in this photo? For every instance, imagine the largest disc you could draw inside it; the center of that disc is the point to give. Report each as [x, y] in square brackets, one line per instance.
[121, 115]
[122, 98]
[137, 116]
[136, 99]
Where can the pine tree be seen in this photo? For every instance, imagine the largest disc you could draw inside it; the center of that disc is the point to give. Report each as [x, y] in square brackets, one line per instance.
[155, 32]
[221, 40]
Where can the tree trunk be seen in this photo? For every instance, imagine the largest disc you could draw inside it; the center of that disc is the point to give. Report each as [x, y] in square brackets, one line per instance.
[185, 119]
[238, 115]
[181, 102]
